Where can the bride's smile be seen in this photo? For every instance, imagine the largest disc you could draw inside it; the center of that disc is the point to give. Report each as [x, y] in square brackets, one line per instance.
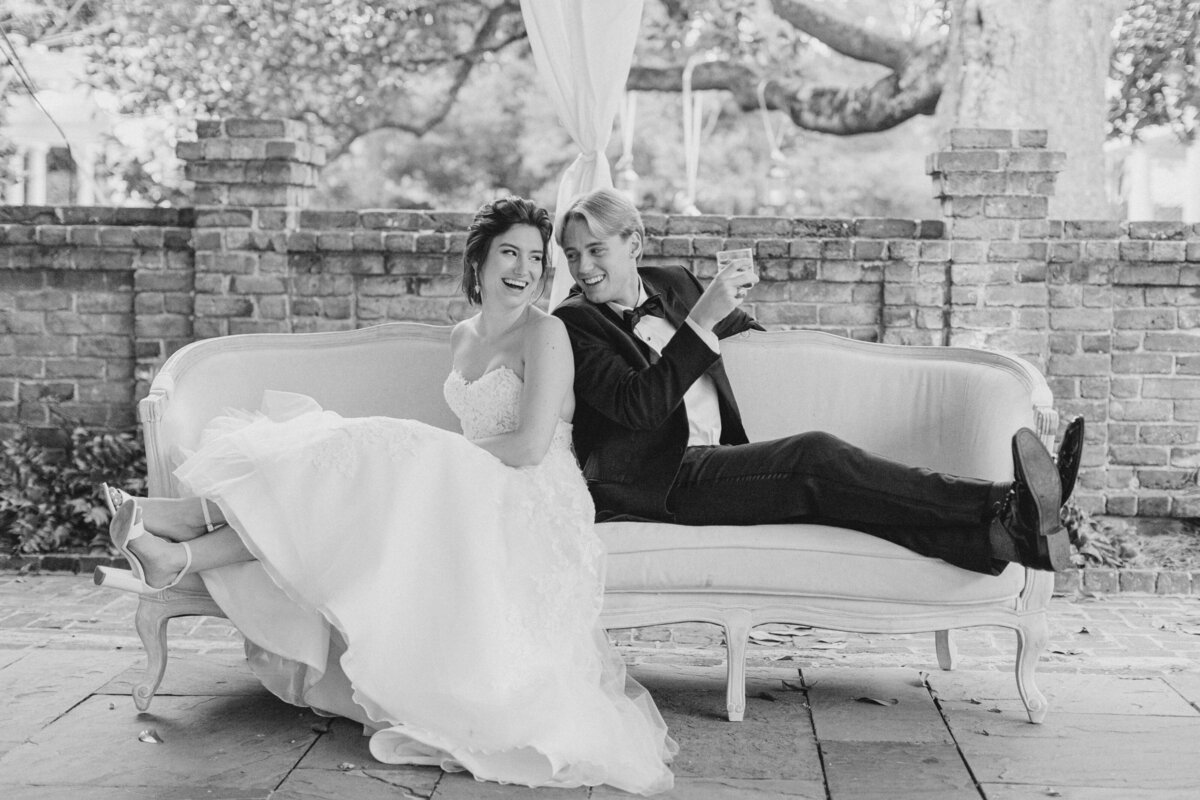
[513, 270]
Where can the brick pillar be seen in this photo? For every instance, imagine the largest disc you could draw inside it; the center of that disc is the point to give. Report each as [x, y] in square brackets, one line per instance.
[995, 187]
[252, 177]
[915, 279]
[163, 283]
[1027, 285]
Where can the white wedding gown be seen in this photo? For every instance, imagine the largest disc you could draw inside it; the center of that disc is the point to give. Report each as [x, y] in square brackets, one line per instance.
[411, 581]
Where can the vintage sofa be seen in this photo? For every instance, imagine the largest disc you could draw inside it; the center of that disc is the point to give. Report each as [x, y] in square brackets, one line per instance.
[950, 409]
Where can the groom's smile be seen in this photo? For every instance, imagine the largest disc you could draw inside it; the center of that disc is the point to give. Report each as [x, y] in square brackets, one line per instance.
[605, 269]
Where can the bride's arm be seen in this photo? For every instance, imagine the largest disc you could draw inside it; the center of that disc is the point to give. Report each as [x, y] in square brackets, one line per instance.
[549, 373]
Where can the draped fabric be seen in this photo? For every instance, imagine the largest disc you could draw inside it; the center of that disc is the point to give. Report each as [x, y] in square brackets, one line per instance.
[583, 50]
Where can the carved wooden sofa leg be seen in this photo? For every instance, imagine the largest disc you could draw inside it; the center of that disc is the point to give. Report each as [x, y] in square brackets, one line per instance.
[737, 634]
[947, 653]
[153, 613]
[1032, 635]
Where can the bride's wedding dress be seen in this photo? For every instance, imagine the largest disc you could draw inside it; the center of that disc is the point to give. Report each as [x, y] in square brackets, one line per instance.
[411, 581]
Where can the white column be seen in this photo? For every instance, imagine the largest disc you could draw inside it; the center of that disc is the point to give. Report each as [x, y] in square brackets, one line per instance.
[14, 193]
[35, 187]
[1137, 172]
[1191, 183]
[85, 174]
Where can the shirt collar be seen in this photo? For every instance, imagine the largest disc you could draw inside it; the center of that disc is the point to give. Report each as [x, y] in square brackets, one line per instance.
[641, 298]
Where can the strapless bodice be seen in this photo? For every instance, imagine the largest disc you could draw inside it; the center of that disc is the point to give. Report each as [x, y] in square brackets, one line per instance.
[491, 403]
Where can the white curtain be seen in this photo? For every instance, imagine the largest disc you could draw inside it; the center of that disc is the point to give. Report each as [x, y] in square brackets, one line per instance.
[583, 50]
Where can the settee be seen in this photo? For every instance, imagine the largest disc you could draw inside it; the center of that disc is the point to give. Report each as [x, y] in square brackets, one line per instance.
[950, 409]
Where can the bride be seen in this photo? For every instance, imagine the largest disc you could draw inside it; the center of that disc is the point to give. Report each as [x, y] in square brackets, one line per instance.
[443, 590]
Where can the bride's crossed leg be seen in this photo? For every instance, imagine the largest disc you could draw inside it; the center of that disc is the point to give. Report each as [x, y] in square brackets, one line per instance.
[169, 538]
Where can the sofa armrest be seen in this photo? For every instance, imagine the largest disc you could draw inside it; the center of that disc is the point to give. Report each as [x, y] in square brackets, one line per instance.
[395, 369]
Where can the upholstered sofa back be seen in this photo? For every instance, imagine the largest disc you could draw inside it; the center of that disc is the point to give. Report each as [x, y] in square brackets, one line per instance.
[949, 409]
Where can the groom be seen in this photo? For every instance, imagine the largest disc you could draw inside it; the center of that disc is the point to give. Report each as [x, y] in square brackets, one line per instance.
[658, 433]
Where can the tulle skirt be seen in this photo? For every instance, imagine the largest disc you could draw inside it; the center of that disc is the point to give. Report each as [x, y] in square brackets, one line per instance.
[409, 580]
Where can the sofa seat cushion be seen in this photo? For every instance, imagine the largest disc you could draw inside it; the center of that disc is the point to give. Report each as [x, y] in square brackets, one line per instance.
[796, 560]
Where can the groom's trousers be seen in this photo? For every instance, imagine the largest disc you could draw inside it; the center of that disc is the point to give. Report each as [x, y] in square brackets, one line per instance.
[818, 478]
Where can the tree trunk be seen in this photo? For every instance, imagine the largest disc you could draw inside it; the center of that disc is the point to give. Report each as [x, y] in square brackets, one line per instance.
[1037, 64]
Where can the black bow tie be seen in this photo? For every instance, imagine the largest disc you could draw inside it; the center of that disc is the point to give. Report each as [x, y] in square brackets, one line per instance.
[652, 307]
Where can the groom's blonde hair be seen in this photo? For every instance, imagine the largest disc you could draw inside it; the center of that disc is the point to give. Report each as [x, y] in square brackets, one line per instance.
[606, 212]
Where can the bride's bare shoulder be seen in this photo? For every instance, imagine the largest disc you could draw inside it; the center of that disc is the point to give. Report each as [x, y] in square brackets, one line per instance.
[464, 329]
[545, 336]
[462, 336]
[545, 326]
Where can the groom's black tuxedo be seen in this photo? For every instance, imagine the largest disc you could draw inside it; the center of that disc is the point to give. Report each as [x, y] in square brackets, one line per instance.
[631, 437]
[631, 427]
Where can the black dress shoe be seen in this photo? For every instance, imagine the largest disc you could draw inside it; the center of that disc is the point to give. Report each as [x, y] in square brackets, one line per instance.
[1070, 452]
[1030, 510]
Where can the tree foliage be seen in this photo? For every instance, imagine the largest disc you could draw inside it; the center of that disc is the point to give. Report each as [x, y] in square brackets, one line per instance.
[408, 85]
[788, 58]
[1157, 68]
[357, 66]
[351, 66]
[48, 497]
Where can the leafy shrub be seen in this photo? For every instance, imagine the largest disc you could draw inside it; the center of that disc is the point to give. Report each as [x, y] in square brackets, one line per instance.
[49, 497]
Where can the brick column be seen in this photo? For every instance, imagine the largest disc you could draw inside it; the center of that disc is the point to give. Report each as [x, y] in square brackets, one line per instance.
[252, 177]
[163, 284]
[1027, 285]
[995, 186]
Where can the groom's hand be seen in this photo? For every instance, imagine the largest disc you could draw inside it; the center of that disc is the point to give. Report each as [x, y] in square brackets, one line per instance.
[725, 293]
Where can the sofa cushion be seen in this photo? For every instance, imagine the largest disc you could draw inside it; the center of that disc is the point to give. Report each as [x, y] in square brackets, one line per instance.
[793, 560]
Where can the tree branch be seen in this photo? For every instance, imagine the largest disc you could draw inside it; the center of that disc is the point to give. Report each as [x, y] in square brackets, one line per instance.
[474, 53]
[901, 95]
[735, 78]
[885, 104]
[843, 36]
[399, 116]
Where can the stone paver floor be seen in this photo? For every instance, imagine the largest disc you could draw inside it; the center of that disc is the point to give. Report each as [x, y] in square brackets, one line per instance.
[829, 715]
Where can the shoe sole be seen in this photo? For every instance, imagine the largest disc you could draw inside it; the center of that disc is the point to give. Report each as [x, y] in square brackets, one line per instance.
[1070, 453]
[1037, 470]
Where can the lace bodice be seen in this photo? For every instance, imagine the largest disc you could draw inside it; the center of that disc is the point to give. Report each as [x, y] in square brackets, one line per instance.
[490, 404]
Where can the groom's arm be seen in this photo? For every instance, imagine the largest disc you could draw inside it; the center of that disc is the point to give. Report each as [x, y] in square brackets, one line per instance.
[639, 399]
[736, 322]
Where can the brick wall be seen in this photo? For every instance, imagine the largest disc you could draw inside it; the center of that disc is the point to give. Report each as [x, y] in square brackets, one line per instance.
[86, 294]
[91, 300]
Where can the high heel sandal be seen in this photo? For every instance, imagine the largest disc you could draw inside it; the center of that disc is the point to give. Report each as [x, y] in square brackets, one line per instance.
[209, 525]
[114, 498]
[125, 527]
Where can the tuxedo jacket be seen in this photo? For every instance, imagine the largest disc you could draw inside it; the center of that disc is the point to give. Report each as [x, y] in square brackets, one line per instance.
[630, 424]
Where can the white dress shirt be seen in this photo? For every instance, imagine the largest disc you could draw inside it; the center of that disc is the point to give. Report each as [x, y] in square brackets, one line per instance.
[700, 400]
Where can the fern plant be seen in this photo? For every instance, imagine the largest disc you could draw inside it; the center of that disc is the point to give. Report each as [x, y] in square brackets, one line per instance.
[49, 500]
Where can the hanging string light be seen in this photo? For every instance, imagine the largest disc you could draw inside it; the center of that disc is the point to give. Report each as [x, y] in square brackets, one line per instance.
[778, 175]
[693, 128]
[692, 108]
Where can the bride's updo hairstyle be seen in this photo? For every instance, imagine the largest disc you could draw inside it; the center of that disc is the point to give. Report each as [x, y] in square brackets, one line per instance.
[493, 219]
